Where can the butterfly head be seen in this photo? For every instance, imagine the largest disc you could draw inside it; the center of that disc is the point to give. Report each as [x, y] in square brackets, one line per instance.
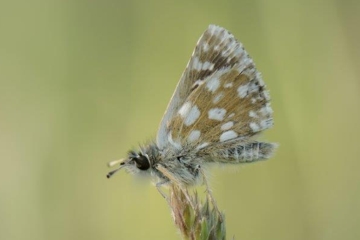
[135, 163]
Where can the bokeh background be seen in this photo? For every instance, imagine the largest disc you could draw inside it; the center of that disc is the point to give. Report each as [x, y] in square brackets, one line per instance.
[84, 81]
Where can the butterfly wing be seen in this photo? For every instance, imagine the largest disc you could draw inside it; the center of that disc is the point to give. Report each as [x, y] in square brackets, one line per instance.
[226, 108]
[216, 49]
[231, 105]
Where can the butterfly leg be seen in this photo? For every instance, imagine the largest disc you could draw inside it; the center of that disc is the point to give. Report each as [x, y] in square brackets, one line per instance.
[158, 187]
[209, 193]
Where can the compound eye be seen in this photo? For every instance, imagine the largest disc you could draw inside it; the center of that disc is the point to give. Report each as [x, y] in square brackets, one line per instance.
[142, 162]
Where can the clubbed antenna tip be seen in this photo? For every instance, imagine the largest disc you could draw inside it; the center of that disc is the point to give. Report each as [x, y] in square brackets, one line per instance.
[113, 163]
[112, 172]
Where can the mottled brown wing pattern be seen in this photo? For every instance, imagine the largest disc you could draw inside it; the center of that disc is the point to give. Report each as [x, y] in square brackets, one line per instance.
[216, 49]
[231, 104]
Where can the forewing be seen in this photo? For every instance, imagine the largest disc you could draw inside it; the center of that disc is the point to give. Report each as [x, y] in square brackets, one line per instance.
[229, 105]
[216, 49]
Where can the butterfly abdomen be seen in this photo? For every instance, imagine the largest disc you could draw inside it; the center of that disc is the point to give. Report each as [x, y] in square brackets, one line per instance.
[248, 152]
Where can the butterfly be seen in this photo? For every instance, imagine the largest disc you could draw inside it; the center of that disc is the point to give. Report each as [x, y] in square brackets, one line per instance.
[219, 107]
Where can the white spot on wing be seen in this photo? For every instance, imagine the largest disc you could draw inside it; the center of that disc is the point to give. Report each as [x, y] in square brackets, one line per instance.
[242, 91]
[253, 114]
[196, 63]
[189, 113]
[194, 135]
[266, 110]
[206, 47]
[254, 126]
[227, 126]
[231, 115]
[213, 84]
[228, 85]
[184, 110]
[208, 66]
[228, 135]
[217, 114]
[202, 145]
[218, 97]
[194, 114]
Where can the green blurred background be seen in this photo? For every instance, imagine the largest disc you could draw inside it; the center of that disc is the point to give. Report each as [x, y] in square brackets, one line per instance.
[84, 81]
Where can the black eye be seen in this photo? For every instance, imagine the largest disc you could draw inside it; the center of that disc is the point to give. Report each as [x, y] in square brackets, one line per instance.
[142, 162]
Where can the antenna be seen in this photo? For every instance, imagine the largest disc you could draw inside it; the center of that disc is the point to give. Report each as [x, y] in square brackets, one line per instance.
[113, 172]
[113, 163]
